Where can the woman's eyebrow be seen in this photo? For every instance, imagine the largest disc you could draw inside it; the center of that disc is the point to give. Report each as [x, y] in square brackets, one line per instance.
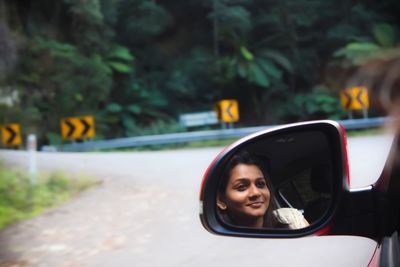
[238, 180]
[243, 179]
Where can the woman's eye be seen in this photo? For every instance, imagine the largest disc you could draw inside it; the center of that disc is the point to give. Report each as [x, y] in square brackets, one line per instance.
[260, 184]
[241, 187]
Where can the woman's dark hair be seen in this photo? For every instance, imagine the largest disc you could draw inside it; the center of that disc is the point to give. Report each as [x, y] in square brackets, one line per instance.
[244, 157]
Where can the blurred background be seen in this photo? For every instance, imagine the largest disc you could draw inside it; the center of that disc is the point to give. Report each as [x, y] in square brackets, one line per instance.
[82, 71]
[137, 65]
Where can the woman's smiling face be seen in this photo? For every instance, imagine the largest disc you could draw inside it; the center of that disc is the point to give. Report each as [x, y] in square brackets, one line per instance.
[247, 196]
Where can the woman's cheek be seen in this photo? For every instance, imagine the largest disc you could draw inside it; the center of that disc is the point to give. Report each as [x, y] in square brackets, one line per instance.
[239, 198]
[267, 197]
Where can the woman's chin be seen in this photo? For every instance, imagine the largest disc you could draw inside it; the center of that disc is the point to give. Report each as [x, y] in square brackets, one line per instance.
[256, 214]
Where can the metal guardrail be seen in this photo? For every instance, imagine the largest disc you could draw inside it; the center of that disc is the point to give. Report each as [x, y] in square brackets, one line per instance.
[176, 138]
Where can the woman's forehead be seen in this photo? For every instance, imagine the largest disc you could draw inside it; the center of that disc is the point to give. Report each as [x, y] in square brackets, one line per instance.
[246, 171]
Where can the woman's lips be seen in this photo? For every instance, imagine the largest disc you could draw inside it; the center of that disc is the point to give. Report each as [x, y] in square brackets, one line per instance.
[256, 205]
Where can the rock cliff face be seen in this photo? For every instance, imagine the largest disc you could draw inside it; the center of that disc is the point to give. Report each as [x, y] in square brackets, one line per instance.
[8, 47]
[8, 96]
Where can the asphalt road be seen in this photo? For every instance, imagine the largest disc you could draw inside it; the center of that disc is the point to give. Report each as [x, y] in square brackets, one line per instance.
[145, 213]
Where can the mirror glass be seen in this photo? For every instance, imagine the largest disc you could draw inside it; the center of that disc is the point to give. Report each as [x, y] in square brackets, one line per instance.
[282, 181]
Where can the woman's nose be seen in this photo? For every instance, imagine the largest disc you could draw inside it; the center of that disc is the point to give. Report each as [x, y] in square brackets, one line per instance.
[254, 191]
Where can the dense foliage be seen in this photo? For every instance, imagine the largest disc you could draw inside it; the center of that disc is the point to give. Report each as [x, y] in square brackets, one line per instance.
[137, 64]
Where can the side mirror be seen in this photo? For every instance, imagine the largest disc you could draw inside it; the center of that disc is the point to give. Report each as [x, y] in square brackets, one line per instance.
[282, 182]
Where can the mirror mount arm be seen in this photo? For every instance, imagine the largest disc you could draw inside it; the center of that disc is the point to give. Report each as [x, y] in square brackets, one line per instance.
[373, 211]
[366, 212]
[387, 191]
[356, 214]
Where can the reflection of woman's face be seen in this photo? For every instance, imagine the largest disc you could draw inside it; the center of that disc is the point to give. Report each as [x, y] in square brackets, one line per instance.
[247, 195]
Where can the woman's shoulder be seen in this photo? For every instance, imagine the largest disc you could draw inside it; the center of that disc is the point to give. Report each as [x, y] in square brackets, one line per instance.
[289, 218]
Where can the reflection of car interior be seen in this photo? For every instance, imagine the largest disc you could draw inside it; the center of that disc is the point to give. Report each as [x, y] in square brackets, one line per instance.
[308, 191]
[321, 178]
[300, 172]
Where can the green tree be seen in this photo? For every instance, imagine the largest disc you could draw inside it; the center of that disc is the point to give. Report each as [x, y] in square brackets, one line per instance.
[67, 83]
[382, 44]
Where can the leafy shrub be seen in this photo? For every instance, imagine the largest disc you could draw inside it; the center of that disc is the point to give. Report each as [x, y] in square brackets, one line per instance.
[20, 200]
[319, 104]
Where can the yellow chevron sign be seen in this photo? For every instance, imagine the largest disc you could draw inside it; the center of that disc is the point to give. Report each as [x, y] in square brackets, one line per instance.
[11, 134]
[77, 128]
[354, 98]
[228, 110]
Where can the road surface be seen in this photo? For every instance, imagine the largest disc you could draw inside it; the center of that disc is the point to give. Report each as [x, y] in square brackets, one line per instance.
[145, 213]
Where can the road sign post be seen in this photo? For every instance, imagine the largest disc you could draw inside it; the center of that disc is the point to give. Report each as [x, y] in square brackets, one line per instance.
[32, 169]
[11, 134]
[74, 128]
[365, 112]
[228, 112]
[355, 98]
[197, 119]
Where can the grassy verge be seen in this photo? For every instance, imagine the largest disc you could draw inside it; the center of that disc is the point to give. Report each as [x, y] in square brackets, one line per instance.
[19, 200]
